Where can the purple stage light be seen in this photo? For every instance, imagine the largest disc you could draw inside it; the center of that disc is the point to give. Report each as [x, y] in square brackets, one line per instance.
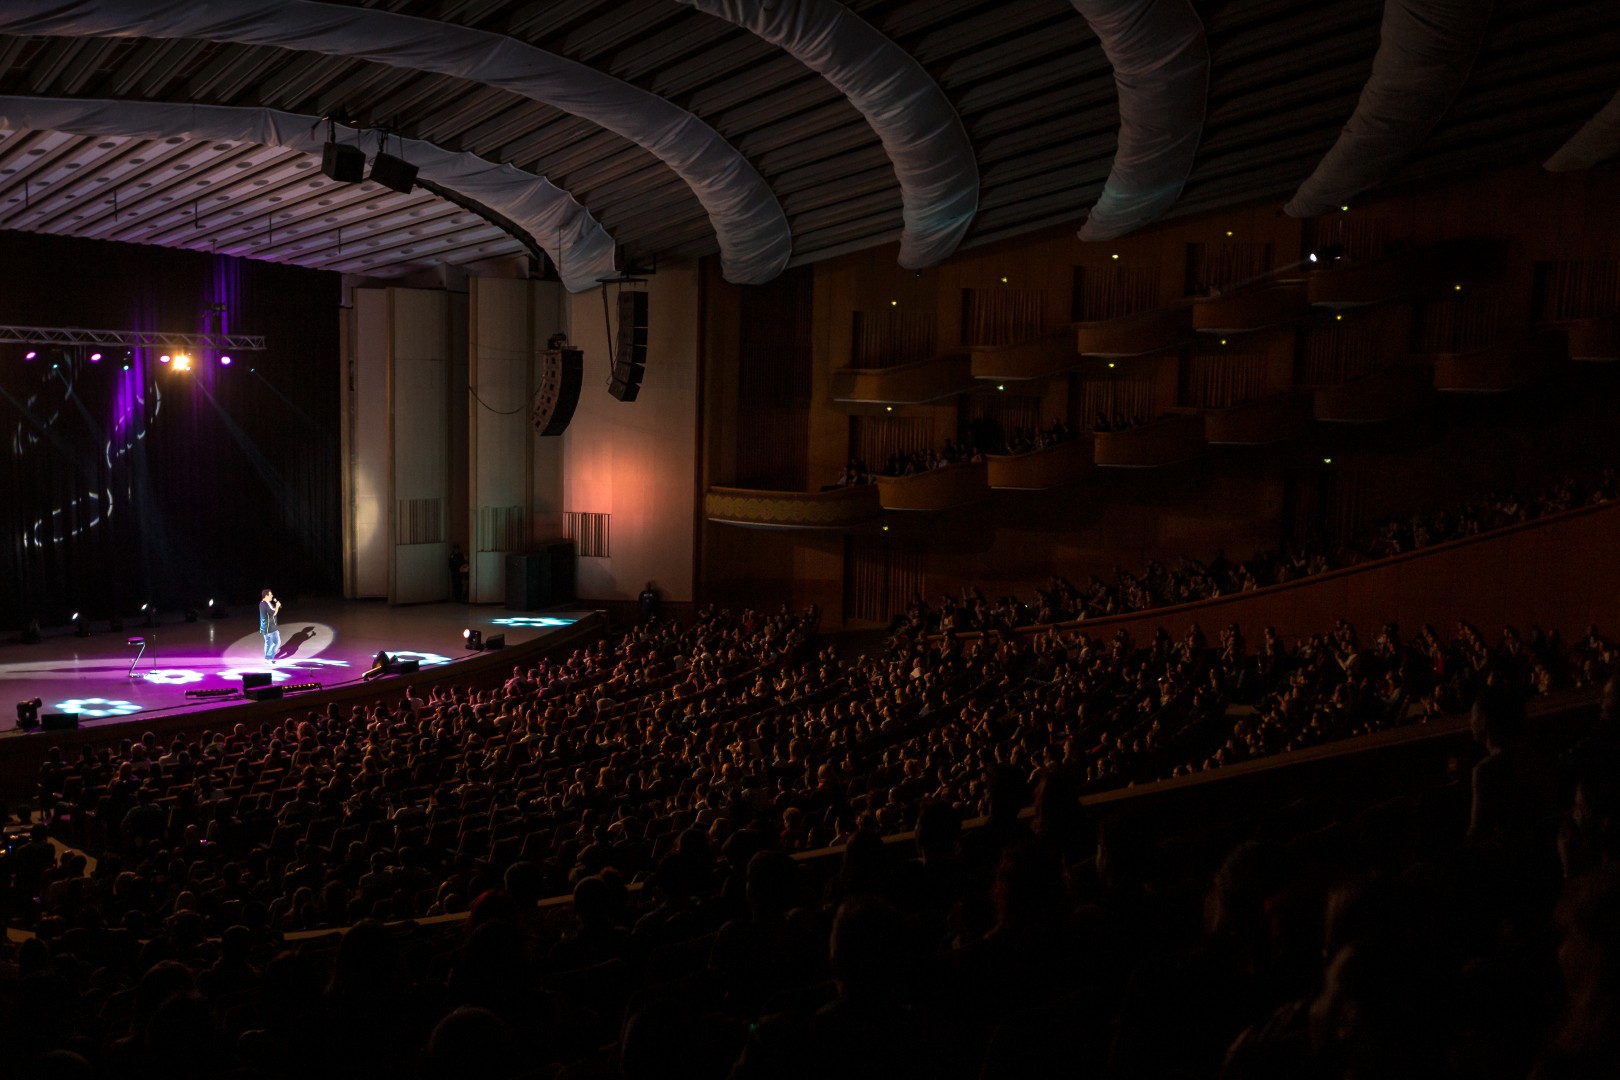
[95, 358]
[164, 359]
[30, 354]
[225, 360]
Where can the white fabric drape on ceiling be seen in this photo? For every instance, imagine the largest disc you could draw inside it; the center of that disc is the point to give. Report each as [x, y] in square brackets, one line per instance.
[1161, 70]
[1426, 49]
[749, 224]
[577, 243]
[919, 128]
[1597, 140]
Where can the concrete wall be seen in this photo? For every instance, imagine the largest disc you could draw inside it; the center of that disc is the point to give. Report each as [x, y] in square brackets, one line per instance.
[637, 461]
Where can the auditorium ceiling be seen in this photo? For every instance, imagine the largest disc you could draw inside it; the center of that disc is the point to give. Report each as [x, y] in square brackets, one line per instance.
[773, 134]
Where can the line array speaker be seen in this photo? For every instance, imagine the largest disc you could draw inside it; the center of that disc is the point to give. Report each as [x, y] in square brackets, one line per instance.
[561, 372]
[630, 360]
[343, 163]
[393, 173]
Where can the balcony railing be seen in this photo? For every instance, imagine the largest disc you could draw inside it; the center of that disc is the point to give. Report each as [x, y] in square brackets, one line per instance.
[936, 489]
[1163, 442]
[1255, 423]
[1026, 359]
[1252, 309]
[1380, 396]
[1135, 335]
[841, 508]
[1502, 367]
[1593, 339]
[937, 377]
[1052, 467]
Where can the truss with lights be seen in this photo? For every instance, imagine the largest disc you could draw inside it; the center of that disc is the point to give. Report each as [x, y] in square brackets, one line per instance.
[73, 335]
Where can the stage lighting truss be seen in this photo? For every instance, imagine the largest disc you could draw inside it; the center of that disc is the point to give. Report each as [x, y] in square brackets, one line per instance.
[191, 344]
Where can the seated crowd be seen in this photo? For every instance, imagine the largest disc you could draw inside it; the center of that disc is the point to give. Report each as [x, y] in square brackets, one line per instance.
[1117, 421]
[667, 778]
[983, 438]
[1160, 585]
[1377, 930]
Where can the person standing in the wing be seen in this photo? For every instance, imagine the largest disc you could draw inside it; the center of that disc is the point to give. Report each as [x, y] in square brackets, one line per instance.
[269, 608]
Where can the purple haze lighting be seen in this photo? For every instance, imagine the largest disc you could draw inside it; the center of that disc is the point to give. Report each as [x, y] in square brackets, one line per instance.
[225, 360]
[30, 354]
[95, 358]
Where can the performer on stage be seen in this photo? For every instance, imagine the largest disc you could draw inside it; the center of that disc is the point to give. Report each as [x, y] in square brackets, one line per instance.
[269, 608]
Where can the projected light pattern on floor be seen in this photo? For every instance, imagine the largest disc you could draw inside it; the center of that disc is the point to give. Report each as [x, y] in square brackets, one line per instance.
[522, 621]
[426, 659]
[173, 676]
[96, 707]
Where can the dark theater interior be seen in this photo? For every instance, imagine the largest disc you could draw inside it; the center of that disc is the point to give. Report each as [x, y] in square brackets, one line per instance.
[809, 539]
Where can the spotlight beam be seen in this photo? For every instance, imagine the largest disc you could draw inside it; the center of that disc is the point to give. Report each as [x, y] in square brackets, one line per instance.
[285, 400]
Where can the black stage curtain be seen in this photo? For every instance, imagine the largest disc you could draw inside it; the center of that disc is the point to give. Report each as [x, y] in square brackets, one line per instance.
[149, 485]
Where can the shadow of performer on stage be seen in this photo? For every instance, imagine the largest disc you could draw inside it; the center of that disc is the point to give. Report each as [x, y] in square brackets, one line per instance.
[289, 648]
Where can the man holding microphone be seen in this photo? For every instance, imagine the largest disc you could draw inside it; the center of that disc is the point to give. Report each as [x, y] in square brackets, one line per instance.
[269, 608]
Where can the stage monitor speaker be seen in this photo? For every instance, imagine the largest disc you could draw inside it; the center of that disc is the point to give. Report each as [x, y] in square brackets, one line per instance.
[264, 693]
[542, 578]
[407, 667]
[59, 721]
[630, 358]
[343, 163]
[395, 174]
[253, 679]
[561, 373]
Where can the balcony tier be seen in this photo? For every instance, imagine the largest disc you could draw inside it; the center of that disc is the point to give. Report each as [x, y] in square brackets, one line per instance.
[933, 379]
[1040, 469]
[1163, 442]
[841, 508]
[936, 489]
[1138, 334]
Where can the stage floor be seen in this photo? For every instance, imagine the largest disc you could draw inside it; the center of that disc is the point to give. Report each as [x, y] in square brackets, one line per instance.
[329, 641]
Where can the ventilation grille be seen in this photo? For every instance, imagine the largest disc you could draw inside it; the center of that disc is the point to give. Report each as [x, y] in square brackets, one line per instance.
[419, 521]
[500, 528]
[589, 532]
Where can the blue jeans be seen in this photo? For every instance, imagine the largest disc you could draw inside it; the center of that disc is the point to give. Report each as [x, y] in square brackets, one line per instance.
[272, 645]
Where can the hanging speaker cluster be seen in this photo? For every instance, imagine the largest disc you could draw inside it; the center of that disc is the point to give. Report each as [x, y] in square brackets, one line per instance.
[393, 173]
[347, 164]
[344, 163]
[630, 358]
[561, 373]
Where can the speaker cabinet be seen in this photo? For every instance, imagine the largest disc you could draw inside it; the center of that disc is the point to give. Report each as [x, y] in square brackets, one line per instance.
[561, 373]
[343, 163]
[59, 721]
[395, 174]
[630, 358]
[253, 679]
[542, 578]
[264, 693]
[407, 667]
